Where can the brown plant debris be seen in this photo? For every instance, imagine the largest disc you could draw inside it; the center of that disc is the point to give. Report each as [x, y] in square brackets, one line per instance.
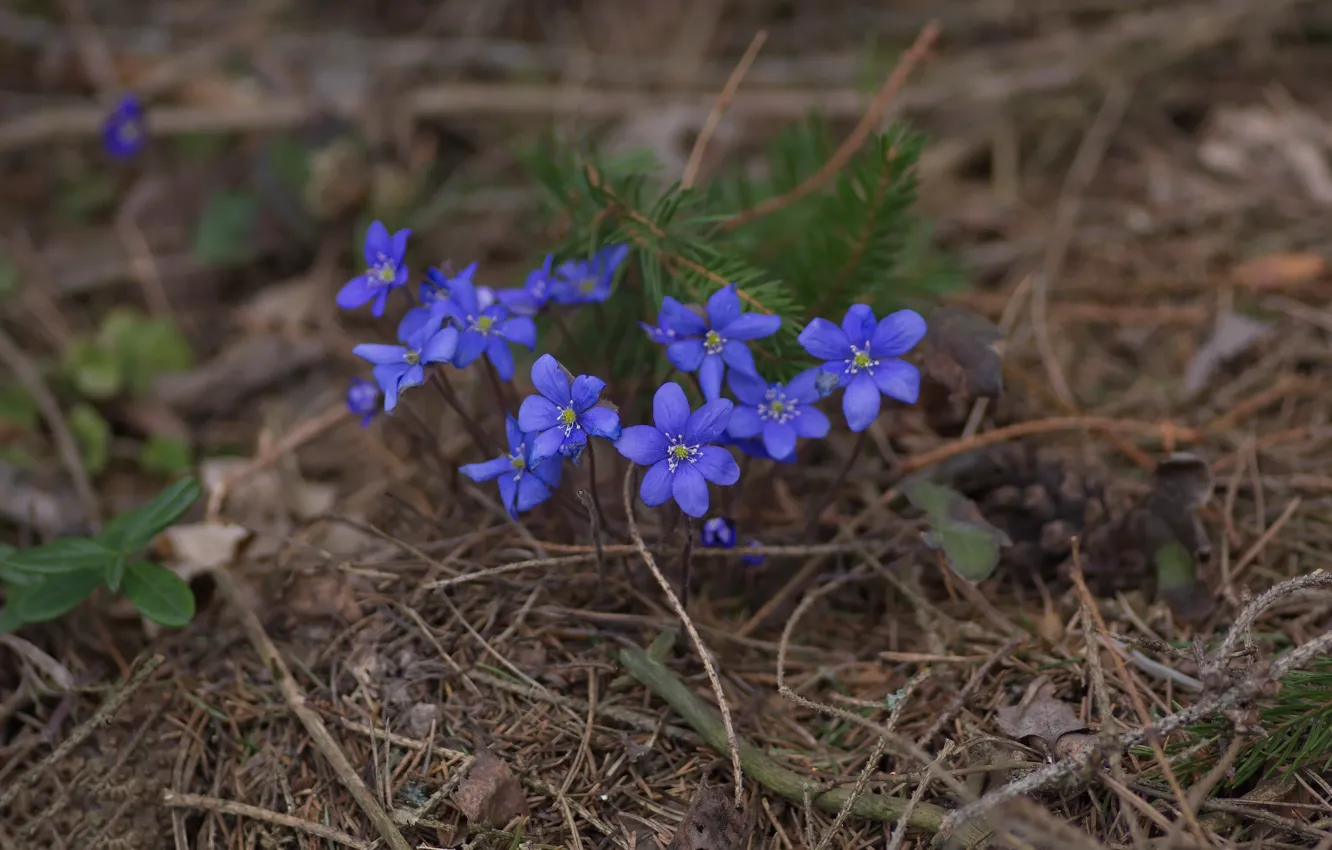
[490, 794]
[711, 823]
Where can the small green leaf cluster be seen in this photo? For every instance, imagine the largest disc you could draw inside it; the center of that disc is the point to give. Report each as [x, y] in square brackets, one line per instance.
[43, 582]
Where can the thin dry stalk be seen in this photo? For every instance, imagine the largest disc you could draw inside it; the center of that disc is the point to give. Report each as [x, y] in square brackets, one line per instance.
[313, 723]
[229, 807]
[719, 108]
[732, 742]
[899, 831]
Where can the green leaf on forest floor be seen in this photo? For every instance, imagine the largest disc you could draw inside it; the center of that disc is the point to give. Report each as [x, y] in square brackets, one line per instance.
[225, 226]
[159, 594]
[165, 455]
[145, 347]
[94, 370]
[93, 434]
[971, 545]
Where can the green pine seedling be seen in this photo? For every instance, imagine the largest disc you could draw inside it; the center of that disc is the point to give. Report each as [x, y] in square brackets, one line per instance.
[44, 582]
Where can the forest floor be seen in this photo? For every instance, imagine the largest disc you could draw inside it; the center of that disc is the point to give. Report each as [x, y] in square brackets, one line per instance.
[1139, 195]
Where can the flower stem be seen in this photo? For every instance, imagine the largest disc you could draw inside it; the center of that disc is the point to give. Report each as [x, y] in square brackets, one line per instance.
[557, 316]
[592, 487]
[687, 562]
[441, 382]
[498, 389]
[812, 519]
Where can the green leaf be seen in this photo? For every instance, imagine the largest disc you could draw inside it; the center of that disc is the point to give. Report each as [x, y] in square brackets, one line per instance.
[159, 594]
[165, 455]
[93, 434]
[289, 161]
[145, 347]
[62, 555]
[17, 408]
[93, 369]
[55, 595]
[201, 146]
[972, 552]
[1174, 566]
[10, 621]
[115, 571]
[135, 529]
[10, 574]
[224, 227]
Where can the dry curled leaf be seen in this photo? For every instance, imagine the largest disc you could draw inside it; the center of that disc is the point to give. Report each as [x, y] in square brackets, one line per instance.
[1279, 271]
[490, 794]
[961, 352]
[712, 823]
[1039, 716]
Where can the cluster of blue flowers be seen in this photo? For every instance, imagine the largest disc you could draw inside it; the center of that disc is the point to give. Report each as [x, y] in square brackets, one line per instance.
[684, 449]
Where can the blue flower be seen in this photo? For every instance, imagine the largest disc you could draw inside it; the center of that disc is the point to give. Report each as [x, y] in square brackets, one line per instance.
[709, 347]
[363, 399]
[753, 559]
[864, 355]
[660, 333]
[777, 413]
[566, 413]
[383, 256]
[124, 130]
[397, 367]
[677, 453]
[588, 281]
[524, 483]
[718, 532]
[534, 293]
[486, 329]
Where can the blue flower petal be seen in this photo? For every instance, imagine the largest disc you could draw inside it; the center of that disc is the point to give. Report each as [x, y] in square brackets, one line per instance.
[381, 355]
[441, 346]
[508, 489]
[748, 387]
[642, 444]
[811, 424]
[690, 490]
[738, 356]
[358, 291]
[412, 321]
[532, 491]
[601, 422]
[656, 487]
[380, 302]
[574, 444]
[825, 341]
[519, 330]
[670, 409]
[513, 434]
[708, 423]
[389, 376]
[519, 302]
[802, 387]
[547, 444]
[858, 324]
[549, 470]
[753, 326]
[470, 346]
[685, 355]
[779, 438]
[551, 381]
[538, 414]
[710, 376]
[744, 422]
[898, 379]
[679, 318]
[497, 350]
[398, 246]
[861, 402]
[585, 392]
[723, 307]
[377, 242]
[463, 294]
[897, 334]
[488, 470]
[715, 464]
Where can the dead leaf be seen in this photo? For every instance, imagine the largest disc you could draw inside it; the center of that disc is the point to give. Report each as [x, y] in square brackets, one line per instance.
[323, 595]
[490, 794]
[197, 547]
[712, 823]
[1039, 716]
[962, 352]
[1279, 271]
[1233, 335]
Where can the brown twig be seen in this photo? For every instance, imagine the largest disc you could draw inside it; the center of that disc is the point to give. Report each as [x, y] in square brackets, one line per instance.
[732, 742]
[309, 718]
[871, 119]
[31, 379]
[228, 807]
[719, 108]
